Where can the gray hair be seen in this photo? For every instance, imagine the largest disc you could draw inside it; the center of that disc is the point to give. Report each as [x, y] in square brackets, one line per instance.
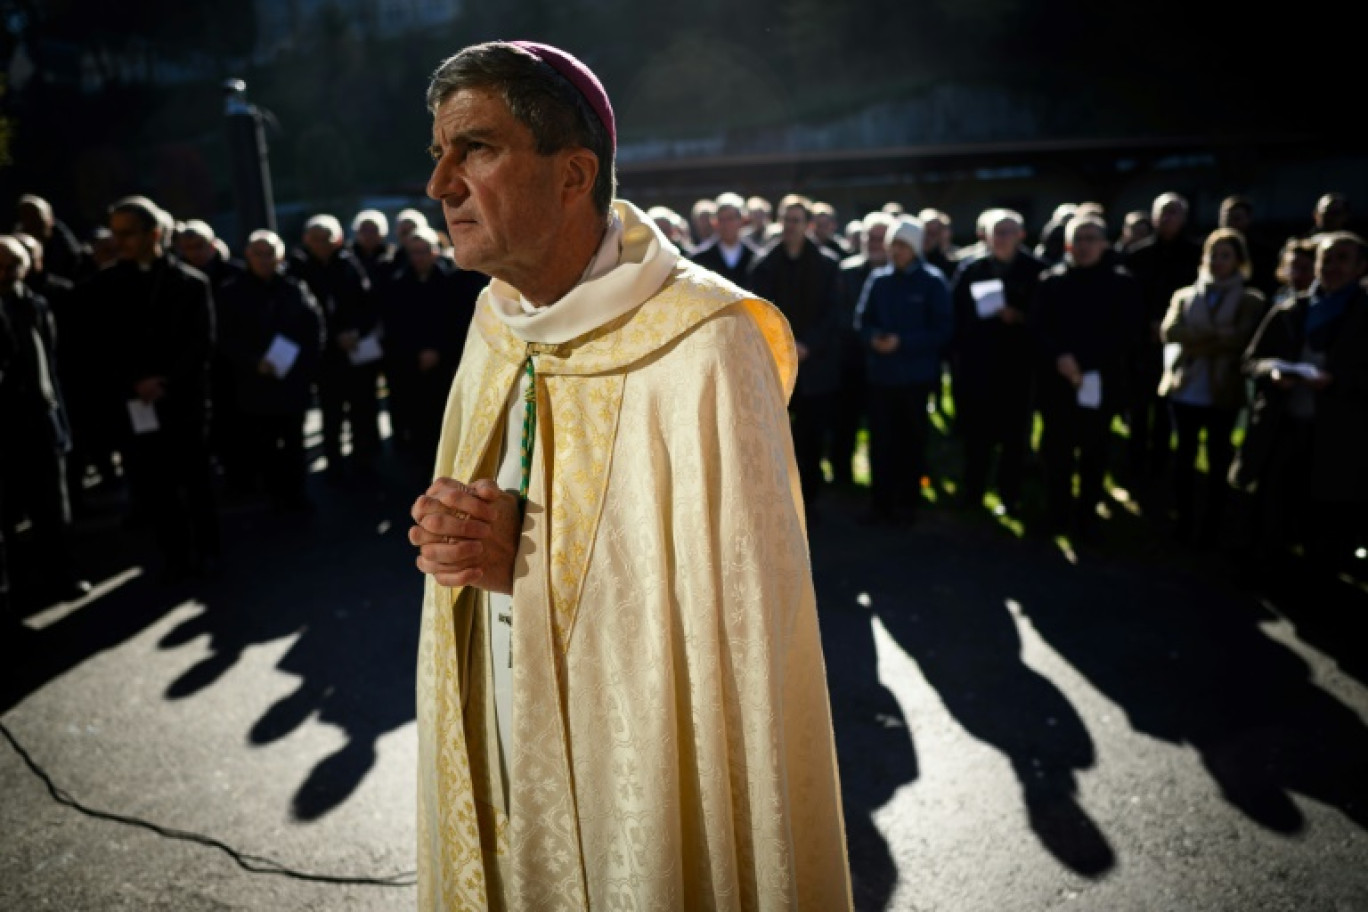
[329, 222]
[37, 202]
[148, 213]
[731, 200]
[198, 228]
[1164, 199]
[270, 237]
[538, 97]
[1080, 221]
[14, 246]
[873, 220]
[375, 217]
[992, 217]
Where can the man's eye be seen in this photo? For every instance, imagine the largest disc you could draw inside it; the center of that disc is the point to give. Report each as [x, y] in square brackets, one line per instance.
[435, 151]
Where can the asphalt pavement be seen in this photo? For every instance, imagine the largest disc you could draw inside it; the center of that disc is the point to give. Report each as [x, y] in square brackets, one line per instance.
[1022, 724]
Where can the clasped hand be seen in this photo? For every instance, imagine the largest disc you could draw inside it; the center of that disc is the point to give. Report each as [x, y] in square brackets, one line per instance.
[467, 535]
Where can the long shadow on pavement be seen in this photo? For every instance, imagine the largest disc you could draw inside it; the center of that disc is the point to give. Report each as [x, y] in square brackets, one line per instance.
[873, 742]
[1186, 656]
[342, 583]
[945, 605]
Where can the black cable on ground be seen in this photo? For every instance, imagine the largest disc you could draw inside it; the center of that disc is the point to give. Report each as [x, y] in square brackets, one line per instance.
[255, 864]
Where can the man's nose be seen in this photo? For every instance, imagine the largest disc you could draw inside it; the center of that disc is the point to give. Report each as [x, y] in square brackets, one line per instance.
[445, 182]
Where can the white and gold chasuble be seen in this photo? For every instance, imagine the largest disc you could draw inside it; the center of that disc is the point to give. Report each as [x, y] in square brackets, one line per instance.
[671, 743]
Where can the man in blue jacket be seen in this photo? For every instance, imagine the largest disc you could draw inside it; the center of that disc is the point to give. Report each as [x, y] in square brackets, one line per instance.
[904, 319]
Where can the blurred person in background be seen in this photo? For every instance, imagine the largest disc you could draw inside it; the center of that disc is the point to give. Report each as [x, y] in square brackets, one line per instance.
[371, 247]
[62, 253]
[1212, 323]
[1162, 263]
[195, 247]
[1302, 455]
[904, 318]
[1087, 325]
[1237, 214]
[102, 252]
[154, 319]
[405, 223]
[671, 225]
[825, 228]
[854, 235]
[804, 282]
[759, 216]
[994, 377]
[702, 222]
[1331, 214]
[728, 253]
[1050, 249]
[1296, 268]
[271, 336]
[427, 310]
[351, 358]
[33, 483]
[1135, 227]
[852, 406]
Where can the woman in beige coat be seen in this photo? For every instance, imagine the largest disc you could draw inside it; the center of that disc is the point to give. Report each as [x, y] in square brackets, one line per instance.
[1210, 322]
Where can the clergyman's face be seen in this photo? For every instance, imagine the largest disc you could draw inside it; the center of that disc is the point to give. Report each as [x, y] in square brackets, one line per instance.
[795, 224]
[320, 242]
[368, 235]
[133, 242]
[262, 259]
[195, 250]
[729, 223]
[1088, 245]
[421, 256]
[1005, 239]
[500, 197]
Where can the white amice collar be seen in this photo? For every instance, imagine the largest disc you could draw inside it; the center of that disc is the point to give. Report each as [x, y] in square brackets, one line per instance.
[631, 264]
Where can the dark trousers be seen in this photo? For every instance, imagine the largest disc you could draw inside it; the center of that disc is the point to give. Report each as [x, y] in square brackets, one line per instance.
[346, 394]
[1074, 441]
[277, 453]
[846, 418]
[170, 478]
[1148, 422]
[811, 416]
[899, 428]
[34, 480]
[996, 420]
[1191, 421]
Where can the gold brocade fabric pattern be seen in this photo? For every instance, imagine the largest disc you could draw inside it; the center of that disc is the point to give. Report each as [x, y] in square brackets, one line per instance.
[672, 743]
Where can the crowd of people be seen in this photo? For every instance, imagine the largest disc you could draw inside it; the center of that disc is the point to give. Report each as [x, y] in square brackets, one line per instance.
[150, 356]
[153, 360]
[1193, 342]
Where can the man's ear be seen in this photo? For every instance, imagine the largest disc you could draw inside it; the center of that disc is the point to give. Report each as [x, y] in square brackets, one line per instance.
[579, 172]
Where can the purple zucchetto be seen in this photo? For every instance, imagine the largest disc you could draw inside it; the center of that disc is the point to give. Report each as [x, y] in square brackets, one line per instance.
[579, 76]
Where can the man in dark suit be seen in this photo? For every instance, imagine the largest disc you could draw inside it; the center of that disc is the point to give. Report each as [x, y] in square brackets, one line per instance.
[804, 281]
[728, 253]
[155, 320]
[32, 471]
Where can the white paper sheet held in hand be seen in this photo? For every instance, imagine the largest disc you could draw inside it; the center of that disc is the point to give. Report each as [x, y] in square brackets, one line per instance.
[143, 415]
[367, 350]
[1171, 352]
[282, 355]
[1090, 390]
[989, 297]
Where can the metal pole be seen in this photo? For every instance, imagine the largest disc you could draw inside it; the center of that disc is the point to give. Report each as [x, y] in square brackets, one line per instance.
[250, 162]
